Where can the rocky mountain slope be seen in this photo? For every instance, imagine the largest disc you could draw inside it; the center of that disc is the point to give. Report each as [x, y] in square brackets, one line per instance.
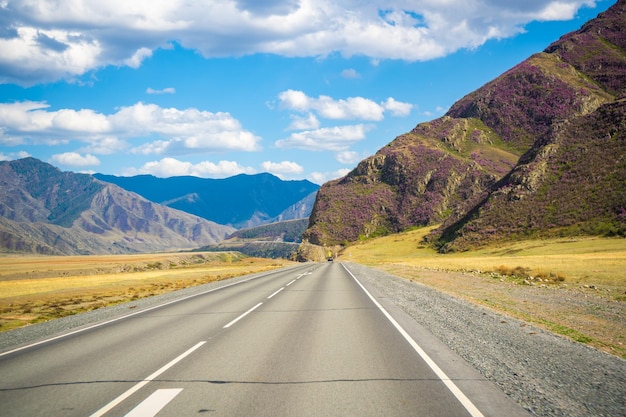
[44, 210]
[539, 150]
[240, 201]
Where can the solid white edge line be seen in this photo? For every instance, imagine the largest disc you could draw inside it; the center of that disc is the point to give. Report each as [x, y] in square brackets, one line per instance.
[243, 315]
[93, 326]
[141, 384]
[466, 402]
[151, 406]
[275, 293]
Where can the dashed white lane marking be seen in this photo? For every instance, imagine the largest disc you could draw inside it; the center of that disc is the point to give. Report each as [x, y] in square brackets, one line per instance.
[140, 385]
[276, 293]
[243, 315]
[93, 326]
[290, 283]
[466, 402]
[154, 403]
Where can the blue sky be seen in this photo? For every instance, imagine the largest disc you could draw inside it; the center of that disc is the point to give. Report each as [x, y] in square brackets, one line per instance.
[303, 89]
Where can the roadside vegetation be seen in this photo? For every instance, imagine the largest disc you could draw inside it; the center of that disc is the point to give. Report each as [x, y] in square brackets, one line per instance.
[40, 288]
[575, 287]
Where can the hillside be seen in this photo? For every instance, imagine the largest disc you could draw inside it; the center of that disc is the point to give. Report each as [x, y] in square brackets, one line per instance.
[46, 211]
[517, 132]
[240, 201]
[274, 240]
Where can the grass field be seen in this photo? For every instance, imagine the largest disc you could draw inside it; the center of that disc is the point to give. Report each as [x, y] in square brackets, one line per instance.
[572, 287]
[40, 288]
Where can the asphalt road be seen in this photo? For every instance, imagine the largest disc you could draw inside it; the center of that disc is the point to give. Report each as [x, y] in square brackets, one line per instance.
[305, 341]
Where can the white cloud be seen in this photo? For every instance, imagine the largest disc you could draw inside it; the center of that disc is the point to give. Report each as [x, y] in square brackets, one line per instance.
[352, 108]
[169, 167]
[283, 170]
[322, 177]
[350, 73]
[348, 157]
[338, 138]
[49, 40]
[13, 155]
[304, 123]
[179, 131]
[398, 108]
[168, 90]
[138, 57]
[74, 159]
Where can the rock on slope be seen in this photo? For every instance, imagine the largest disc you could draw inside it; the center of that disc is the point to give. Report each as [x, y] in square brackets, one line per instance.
[44, 210]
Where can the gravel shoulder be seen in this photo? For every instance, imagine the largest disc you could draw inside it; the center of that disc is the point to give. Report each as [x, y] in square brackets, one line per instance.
[546, 374]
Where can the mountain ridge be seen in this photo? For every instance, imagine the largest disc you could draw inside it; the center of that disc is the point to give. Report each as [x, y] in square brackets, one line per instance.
[446, 170]
[46, 211]
[240, 201]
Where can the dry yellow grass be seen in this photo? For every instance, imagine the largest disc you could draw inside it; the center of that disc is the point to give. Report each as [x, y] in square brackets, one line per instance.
[37, 288]
[573, 287]
[585, 260]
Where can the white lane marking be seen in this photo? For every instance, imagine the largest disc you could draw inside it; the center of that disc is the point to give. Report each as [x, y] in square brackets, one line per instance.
[290, 283]
[41, 342]
[303, 274]
[466, 402]
[154, 403]
[243, 315]
[141, 384]
[275, 293]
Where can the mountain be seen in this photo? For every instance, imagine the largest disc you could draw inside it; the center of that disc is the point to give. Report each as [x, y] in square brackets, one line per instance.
[540, 150]
[274, 240]
[44, 210]
[240, 201]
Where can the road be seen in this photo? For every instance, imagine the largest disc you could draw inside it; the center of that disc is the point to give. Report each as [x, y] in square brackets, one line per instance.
[303, 341]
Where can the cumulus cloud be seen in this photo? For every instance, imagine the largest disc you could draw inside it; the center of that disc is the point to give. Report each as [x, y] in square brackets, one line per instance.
[303, 123]
[74, 159]
[352, 108]
[283, 170]
[47, 40]
[397, 108]
[338, 138]
[322, 177]
[348, 157]
[170, 167]
[13, 155]
[178, 131]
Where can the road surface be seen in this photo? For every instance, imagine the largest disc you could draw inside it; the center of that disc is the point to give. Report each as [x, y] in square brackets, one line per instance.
[303, 341]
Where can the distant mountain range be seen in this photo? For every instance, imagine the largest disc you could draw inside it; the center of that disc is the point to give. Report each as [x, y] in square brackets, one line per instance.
[46, 211]
[241, 201]
[539, 151]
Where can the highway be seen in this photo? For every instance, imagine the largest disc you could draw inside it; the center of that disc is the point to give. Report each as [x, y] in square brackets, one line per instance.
[309, 340]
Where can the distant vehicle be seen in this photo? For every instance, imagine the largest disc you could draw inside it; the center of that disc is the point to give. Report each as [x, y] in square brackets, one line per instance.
[330, 259]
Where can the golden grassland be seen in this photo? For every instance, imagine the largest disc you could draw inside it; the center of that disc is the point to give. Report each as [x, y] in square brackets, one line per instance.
[40, 288]
[575, 287]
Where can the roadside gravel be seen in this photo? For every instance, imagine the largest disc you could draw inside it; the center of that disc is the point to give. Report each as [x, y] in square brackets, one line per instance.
[546, 374]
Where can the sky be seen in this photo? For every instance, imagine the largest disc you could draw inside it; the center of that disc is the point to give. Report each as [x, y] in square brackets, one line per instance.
[302, 89]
